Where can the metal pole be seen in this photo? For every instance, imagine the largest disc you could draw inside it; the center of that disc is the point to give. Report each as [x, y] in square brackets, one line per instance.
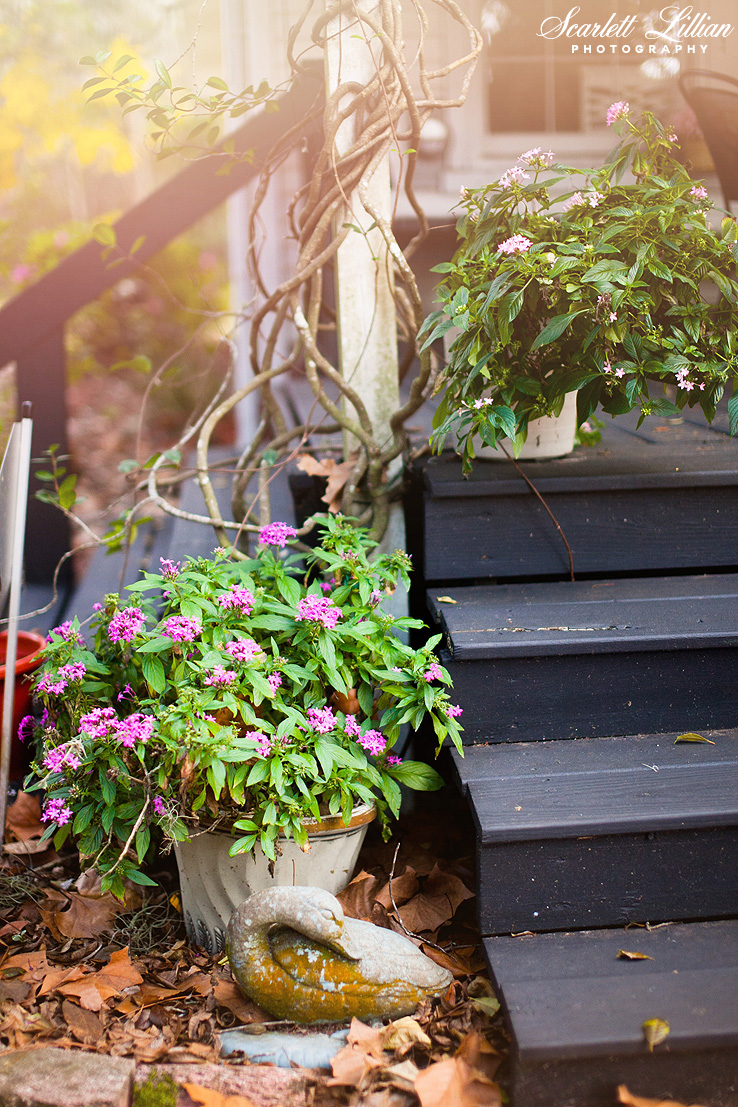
[20, 500]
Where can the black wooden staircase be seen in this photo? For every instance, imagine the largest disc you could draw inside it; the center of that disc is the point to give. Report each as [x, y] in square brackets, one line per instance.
[599, 834]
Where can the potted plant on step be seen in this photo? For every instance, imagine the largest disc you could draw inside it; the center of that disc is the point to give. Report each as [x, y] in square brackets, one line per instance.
[246, 706]
[565, 295]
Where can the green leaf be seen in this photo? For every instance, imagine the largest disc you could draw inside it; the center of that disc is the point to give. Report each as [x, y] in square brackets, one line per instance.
[555, 328]
[162, 72]
[733, 414]
[67, 494]
[217, 82]
[418, 776]
[153, 671]
[104, 234]
[143, 840]
[139, 878]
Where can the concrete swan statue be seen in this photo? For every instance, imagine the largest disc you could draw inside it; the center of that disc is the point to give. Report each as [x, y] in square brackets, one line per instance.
[294, 952]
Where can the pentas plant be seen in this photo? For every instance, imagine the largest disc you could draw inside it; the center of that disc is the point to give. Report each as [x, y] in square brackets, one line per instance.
[619, 290]
[247, 694]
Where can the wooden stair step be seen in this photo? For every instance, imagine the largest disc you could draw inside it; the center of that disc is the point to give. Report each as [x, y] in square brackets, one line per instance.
[576, 1011]
[604, 831]
[572, 659]
[643, 499]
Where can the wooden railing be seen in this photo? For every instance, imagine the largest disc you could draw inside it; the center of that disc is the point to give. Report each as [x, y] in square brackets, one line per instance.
[32, 325]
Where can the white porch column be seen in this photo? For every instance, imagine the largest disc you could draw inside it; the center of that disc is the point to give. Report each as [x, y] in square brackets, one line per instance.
[367, 329]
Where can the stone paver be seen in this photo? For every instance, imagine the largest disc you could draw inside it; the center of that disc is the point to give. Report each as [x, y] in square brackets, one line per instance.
[64, 1078]
[264, 1085]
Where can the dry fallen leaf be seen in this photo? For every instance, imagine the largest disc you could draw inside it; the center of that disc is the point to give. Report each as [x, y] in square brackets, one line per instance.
[445, 599]
[464, 1080]
[208, 1097]
[23, 818]
[98, 987]
[690, 736]
[84, 1025]
[633, 955]
[627, 1097]
[229, 995]
[363, 1051]
[655, 1031]
[404, 1032]
[358, 897]
[72, 915]
[336, 474]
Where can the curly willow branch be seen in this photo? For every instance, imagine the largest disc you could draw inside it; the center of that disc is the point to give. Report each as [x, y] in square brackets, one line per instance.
[386, 111]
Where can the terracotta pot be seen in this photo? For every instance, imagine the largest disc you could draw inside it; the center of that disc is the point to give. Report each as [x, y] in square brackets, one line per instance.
[348, 703]
[548, 437]
[29, 646]
[213, 883]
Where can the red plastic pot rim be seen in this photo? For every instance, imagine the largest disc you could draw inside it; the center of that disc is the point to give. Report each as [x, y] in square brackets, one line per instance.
[29, 647]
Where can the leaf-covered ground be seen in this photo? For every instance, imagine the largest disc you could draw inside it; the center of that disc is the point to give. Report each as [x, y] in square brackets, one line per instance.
[82, 971]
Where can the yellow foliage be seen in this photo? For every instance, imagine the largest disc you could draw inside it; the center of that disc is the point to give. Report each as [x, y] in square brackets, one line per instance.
[37, 116]
[26, 92]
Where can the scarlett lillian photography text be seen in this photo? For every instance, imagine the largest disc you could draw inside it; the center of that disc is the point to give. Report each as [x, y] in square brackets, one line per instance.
[671, 31]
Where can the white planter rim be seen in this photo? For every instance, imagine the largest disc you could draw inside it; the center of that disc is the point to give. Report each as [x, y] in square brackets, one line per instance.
[362, 814]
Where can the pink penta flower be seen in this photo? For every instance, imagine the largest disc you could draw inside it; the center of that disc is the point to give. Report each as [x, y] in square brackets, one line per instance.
[181, 629]
[453, 710]
[373, 742]
[318, 609]
[98, 722]
[238, 599]
[516, 175]
[73, 672]
[274, 680]
[221, 676]
[62, 757]
[126, 624]
[51, 686]
[351, 726]
[541, 159]
[276, 534]
[394, 760]
[619, 110]
[244, 649]
[56, 811]
[263, 741]
[433, 672]
[322, 719]
[159, 808]
[517, 244]
[26, 727]
[698, 192]
[66, 631]
[169, 569]
[135, 728]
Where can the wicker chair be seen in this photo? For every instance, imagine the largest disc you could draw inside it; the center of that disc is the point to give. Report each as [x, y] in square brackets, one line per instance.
[713, 97]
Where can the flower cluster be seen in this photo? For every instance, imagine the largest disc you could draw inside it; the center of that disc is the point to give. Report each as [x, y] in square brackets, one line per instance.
[245, 650]
[619, 110]
[318, 609]
[516, 244]
[56, 811]
[229, 697]
[322, 719]
[180, 628]
[126, 624]
[584, 282]
[237, 599]
[276, 534]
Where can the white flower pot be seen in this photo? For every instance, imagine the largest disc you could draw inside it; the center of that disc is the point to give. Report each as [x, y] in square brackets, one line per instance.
[213, 884]
[548, 437]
